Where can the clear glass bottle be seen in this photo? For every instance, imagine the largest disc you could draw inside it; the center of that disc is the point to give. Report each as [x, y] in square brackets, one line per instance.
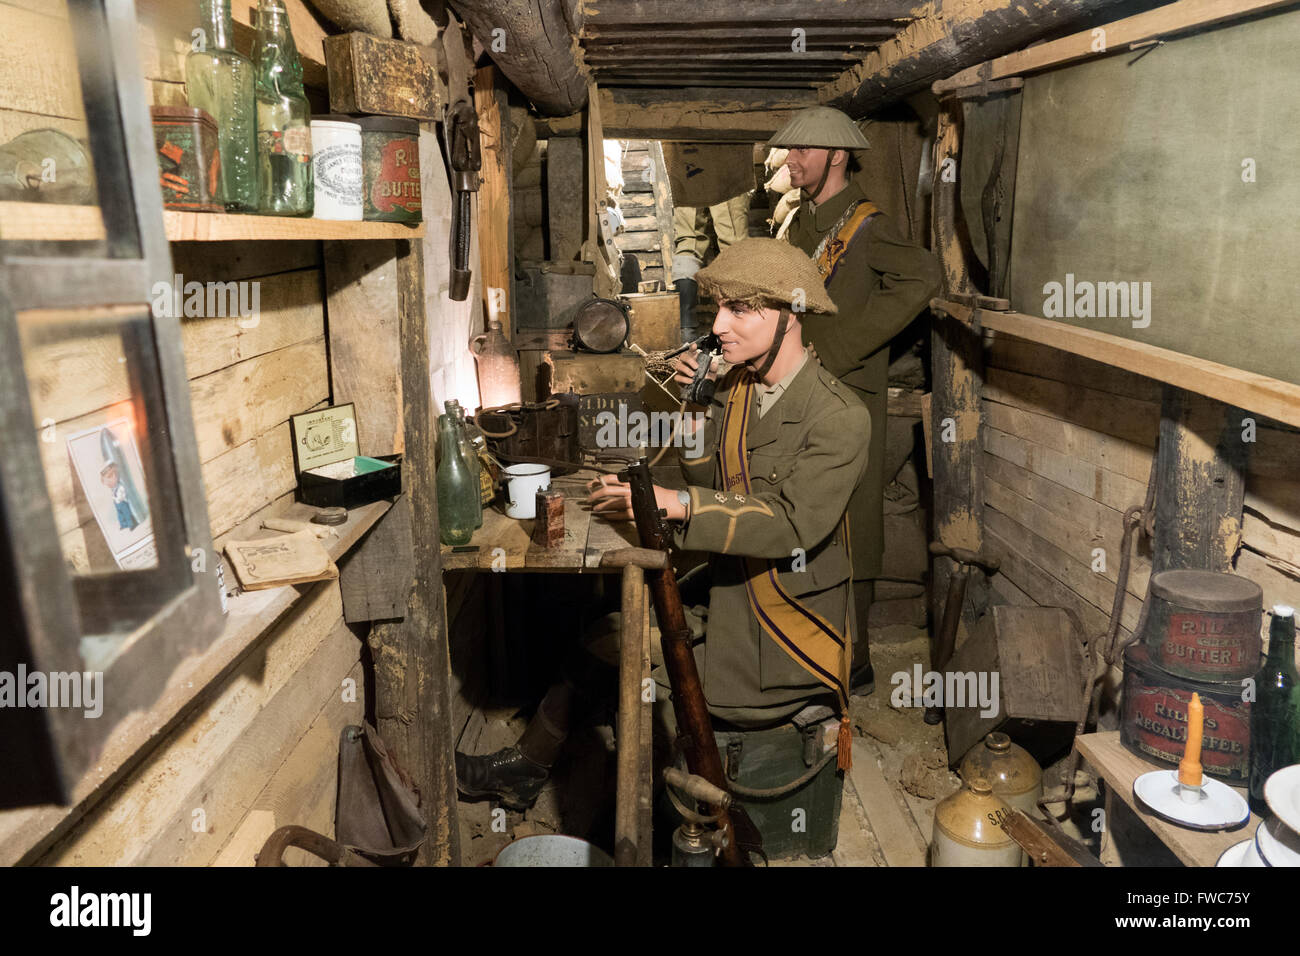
[458, 507]
[219, 80]
[468, 455]
[284, 179]
[1275, 713]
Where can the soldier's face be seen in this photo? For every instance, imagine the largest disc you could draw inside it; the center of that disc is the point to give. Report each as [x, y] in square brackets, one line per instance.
[745, 332]
[806, 164]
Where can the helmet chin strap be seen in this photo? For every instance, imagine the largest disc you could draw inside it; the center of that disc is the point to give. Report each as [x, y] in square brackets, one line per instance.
[782, 324]
[826, 171]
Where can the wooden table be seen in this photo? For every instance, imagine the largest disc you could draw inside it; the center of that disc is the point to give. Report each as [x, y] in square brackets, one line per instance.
[1119, 767]
[506, 543]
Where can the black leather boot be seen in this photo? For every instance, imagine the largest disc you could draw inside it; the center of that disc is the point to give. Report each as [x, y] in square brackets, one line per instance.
[688, 295]
[506, 774]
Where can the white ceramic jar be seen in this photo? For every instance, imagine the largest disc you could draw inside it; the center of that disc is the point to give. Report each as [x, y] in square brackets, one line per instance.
[336, 168]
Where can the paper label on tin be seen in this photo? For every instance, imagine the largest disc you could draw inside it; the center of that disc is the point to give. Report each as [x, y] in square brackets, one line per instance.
[1214, 645]
[1157, 718]
[338, 173]
[398, 181]
[324, 437]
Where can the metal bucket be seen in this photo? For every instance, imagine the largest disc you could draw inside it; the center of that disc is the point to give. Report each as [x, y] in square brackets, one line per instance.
[552, 850]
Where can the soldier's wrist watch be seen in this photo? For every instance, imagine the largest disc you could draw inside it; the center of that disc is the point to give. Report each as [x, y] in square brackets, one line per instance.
[685, 498]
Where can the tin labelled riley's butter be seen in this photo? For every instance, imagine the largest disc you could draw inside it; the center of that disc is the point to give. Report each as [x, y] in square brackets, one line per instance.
[336, 167]
[1205, 625]
[1154, 717]
[390, 156]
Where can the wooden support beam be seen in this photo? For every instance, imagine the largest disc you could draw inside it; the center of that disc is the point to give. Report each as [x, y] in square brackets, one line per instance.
[646, 14]
[411, 657]
[1200, 483]
[927, 50]
[496, 238]
[535, 47]
[701, 114]
[566, 180]
[663, 209]
[957, 367]
[1258, 393]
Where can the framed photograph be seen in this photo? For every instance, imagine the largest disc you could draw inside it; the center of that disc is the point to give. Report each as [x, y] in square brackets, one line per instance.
[108, 465]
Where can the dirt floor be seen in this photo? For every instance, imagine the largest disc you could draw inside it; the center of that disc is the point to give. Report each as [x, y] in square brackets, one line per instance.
[899, 775]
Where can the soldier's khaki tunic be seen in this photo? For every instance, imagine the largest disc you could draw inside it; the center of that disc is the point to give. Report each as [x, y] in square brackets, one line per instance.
[881, 284]
[806, 454]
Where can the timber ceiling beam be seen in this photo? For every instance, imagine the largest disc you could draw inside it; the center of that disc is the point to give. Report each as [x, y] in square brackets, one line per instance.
[691, 114]
[652, 14]
[534, 43]
[959, 34]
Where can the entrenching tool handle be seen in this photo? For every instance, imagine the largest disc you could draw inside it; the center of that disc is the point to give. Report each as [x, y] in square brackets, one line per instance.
[694, 726]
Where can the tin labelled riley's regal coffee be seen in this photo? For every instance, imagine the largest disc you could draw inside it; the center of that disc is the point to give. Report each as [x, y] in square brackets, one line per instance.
[1154, 717]
[1205, 625]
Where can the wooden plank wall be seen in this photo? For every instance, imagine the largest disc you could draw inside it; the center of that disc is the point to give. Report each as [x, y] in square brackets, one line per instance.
[1068, 448]
[261, 750]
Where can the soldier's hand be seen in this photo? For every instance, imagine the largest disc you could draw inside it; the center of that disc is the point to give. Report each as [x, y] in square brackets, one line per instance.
[610, 498]
[684, 366]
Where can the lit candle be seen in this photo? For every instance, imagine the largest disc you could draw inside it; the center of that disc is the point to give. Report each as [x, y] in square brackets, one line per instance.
[1189, 768]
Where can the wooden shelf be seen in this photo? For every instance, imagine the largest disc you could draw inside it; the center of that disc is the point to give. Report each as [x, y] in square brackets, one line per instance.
[1247, 390]
[1120, 768]
[25, 833]
[52, 222]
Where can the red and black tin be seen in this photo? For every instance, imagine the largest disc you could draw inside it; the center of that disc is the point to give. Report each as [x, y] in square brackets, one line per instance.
[1154, 717]
[1205, 625]
[390, 161]
[189, 162]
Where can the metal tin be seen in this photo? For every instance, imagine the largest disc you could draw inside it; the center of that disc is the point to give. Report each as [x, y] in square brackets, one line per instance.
[189, 162]
[1205, 625]
[968, 829]
[336, 168]
[390, 159]
[1154, 717]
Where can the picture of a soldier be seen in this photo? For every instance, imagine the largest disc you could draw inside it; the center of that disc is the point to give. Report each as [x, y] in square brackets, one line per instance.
[126, 516]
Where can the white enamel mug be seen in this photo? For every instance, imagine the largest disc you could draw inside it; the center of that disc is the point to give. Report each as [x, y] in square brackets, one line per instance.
[522, 484]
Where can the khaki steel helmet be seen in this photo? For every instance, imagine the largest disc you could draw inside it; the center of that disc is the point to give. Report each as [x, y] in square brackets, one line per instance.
[768, 273]
[823, 127]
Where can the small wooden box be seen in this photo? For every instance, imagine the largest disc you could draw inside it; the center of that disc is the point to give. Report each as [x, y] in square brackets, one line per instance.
[385, 77]
[330, 472]
[1037, 655]
[588, 374]
[655, 318]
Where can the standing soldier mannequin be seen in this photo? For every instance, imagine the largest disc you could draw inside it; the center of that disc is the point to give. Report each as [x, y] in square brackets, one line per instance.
[879, 281]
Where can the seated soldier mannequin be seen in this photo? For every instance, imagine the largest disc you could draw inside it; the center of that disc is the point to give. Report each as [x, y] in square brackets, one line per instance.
[785, 445]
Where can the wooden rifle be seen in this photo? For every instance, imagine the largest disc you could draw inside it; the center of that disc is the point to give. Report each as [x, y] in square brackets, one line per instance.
[694, 727]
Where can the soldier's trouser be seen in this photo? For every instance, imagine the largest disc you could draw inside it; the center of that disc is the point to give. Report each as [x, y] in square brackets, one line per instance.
[690, 227]
[863, 594]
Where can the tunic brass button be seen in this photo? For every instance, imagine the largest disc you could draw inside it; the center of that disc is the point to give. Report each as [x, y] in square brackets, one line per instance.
[772, 476]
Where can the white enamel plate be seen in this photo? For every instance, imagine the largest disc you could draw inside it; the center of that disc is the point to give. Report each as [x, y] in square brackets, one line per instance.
[1240, 854]
[1219, 808]
[1282, 794]
[1277, 844]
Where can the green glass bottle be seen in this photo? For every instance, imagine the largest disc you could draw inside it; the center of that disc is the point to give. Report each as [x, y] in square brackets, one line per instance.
[1275, 714]
[467, 453]
[284, 183]
[220, 81]
[458, 507]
